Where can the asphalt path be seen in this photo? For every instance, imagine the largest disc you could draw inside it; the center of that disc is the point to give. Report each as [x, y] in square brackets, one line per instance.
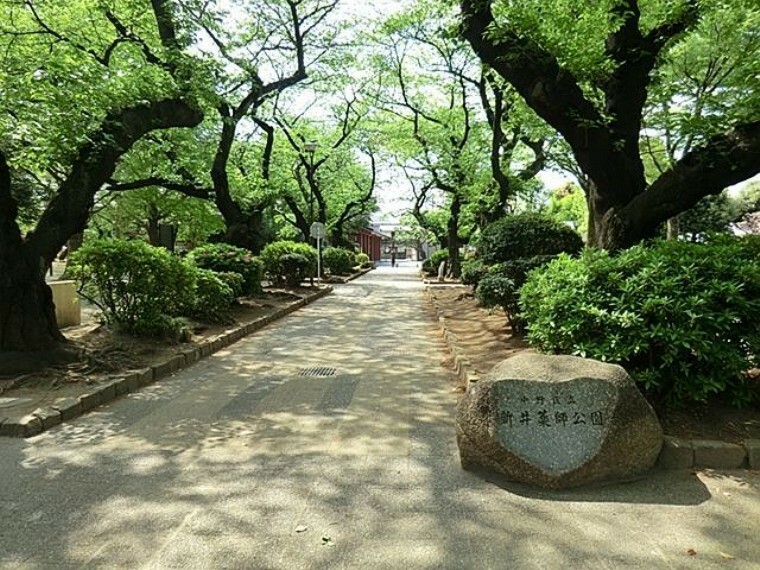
[326, 440]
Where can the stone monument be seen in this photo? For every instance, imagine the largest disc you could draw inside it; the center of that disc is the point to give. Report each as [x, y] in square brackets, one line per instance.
[557, 421]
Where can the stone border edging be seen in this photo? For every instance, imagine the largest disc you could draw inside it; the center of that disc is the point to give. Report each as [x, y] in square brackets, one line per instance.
[676, 453]
[65, 409]
[343, 280]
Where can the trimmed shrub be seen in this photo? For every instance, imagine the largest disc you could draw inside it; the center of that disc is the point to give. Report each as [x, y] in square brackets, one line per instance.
[431, 264]
[338, 260]
[234, 281]
[138, 287]
[363, 260]
[681, 317]
[213, 296]
[473, 270]
[526, 235]
[503, 288]
[225, 258]
[271, 258]
[499, 291]
[294, 268]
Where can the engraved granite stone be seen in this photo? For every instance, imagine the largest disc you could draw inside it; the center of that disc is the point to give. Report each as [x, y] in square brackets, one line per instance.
[557, 421]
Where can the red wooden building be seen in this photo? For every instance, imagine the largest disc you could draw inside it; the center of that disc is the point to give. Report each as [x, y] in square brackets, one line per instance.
[370, 242]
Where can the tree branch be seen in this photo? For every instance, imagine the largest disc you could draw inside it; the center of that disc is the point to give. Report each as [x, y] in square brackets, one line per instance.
[724, 160]
[94, 165]
[10, 234]
[184, 188]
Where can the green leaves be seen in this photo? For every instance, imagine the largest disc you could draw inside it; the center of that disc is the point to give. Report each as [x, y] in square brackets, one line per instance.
[681, 317]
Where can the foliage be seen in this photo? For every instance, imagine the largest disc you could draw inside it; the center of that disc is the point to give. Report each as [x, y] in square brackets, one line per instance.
[233, 280]
[681, 317]
[138, 287]
[504, 283]
[526, 235]
[213, 296]
[496, 290]
[713, 213]
[222, 257]
[431, 264]
[294, 268]
[610, 77]
[138, 212]
[567, 204]
[338, 260]
[271, 257]
[363, 260]
[473, 270]
[719, 213]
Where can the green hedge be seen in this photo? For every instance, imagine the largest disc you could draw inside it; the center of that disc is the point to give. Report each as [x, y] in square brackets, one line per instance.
[225, 258]
[213, 296]
[363, 260]
[294, 268]
[271, 257]
[338, 260]
[681, 317]
[431, 264]
[500, 286]
[526, 235]
[139, 288]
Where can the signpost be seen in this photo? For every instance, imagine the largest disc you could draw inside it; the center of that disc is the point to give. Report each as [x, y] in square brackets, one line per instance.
[317, 231]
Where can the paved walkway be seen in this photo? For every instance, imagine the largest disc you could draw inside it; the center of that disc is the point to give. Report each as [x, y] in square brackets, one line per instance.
[243, 462]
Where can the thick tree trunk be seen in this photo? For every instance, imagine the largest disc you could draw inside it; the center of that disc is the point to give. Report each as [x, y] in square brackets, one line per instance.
[27, 313]
[27, 317]
[245, 230]
[605, 142]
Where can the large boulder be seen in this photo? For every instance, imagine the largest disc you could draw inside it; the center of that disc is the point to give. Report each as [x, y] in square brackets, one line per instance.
[557, 421]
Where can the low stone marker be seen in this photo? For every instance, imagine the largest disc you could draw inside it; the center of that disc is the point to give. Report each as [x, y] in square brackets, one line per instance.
[557, 421]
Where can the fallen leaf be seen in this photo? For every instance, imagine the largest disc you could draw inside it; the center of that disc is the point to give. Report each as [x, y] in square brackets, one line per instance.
[727, 556]
[691, 552]
[302, 528]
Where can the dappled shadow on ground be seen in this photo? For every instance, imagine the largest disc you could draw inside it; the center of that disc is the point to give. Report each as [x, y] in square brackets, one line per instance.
[241, 462]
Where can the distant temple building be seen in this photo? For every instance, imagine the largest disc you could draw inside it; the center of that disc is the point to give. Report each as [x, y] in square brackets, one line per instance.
[391, 244]
[370, 242]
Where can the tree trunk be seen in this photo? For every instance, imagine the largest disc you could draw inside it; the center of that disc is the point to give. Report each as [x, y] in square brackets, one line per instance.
[455, 267]
[245, 231]
[605, 141]
[673, 228]
[154, 218]
[27, 313]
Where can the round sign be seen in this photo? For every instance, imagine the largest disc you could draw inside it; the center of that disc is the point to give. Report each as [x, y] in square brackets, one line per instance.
[317, 230]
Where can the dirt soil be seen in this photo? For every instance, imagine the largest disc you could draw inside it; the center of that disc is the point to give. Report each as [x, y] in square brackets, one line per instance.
[486, 339]
[105, 354]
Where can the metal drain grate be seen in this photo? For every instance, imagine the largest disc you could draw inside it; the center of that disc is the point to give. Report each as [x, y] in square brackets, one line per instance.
[318, 371]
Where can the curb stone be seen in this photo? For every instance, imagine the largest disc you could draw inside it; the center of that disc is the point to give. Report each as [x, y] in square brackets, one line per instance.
[462, 365]
[344, 280]
[66, 409]
[753, 453]
[676, 453]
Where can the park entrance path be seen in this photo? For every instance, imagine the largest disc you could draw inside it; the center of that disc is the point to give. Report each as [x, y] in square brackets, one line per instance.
[327, 441]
